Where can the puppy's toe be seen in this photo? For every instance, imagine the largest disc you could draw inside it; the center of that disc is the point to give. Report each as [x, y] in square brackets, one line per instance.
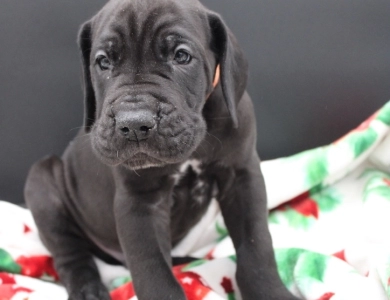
[91, 292]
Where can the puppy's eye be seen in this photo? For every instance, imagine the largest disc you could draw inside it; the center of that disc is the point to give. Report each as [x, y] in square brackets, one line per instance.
[103, 62]
[182, 57]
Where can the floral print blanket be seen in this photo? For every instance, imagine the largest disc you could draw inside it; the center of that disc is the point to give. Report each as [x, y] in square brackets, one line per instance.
[329, 219]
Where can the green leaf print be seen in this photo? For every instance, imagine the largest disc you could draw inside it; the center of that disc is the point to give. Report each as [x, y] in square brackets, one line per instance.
[286, 260]
[377, 185]
[231, 296]
[313, 163]
[381, 191]
[300, 262]
[273, 217]
[316, 189]
[312, 265]
[384, 114]
[374, 173]
[327, 199]
[221, 230]
[7, 263]
[292, 218]
[117, 282]
[317, 167]
[361, 141]
[194, 264]
[233, 258]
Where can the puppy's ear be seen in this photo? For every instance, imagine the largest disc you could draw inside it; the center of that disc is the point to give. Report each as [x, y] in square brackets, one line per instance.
[85, 44]
[234, 67]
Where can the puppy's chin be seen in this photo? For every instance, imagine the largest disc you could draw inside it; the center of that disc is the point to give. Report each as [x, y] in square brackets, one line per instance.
[142, 161]
[137, 161]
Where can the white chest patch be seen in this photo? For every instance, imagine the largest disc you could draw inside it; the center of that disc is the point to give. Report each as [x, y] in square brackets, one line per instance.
[191, 163]
[198, 186]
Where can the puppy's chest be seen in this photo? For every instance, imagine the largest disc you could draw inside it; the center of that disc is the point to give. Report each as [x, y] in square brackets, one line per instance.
[194, 181]
[191, 197]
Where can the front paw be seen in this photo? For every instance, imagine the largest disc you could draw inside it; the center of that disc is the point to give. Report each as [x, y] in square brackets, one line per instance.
[90, 291]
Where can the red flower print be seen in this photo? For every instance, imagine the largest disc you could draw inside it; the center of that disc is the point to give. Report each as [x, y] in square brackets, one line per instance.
[37, 266]
[227, 285]
[387, 181]
[8, 291]
[26, 229]
[193, 286]
[123, 292]
[326, 296]
[340, 255]
[366, 123]
[6, 278]
[209, 255]
[303, 204]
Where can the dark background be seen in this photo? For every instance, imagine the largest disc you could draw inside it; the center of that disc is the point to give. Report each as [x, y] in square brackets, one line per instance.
[317, 69]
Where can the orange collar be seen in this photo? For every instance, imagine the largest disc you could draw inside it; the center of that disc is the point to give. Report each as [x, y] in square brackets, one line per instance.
[216, 76]
[216, 79]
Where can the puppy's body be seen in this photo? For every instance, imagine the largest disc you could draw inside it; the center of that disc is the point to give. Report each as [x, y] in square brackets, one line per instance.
[159, 141]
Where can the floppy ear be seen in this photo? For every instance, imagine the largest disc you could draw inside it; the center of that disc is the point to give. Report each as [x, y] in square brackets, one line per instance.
[85, 44]
[234, 67]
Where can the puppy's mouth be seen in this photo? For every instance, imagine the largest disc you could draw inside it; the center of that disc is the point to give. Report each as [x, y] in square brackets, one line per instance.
[142, 160]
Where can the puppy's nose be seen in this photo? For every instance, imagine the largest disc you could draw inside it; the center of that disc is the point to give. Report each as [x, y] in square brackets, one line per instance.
[135, 125]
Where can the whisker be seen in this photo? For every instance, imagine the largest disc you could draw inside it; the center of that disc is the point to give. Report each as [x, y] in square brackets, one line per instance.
[215, 138]
[75, 128]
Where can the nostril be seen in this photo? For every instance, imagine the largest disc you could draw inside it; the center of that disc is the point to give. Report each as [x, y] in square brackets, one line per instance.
[125, 130]
[145, 128]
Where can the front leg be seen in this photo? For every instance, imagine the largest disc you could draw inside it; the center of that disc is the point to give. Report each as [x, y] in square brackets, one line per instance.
[244, 207]
[46, 195]
[142, 213]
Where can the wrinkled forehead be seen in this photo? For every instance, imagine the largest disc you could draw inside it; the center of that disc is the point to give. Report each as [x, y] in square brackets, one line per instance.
[137, 19]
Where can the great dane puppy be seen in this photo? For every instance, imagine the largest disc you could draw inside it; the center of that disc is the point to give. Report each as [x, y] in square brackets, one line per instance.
[168, 125]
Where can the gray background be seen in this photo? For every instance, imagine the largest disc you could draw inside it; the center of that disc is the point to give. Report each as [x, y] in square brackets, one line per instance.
[317, 69]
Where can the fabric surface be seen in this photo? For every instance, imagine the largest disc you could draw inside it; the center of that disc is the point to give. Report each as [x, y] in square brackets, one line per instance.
[329, 219]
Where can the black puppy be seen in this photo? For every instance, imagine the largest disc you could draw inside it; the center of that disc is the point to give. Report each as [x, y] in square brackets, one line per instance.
[158, 121]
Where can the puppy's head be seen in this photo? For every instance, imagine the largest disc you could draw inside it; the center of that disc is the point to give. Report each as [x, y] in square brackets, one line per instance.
[149, 67]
